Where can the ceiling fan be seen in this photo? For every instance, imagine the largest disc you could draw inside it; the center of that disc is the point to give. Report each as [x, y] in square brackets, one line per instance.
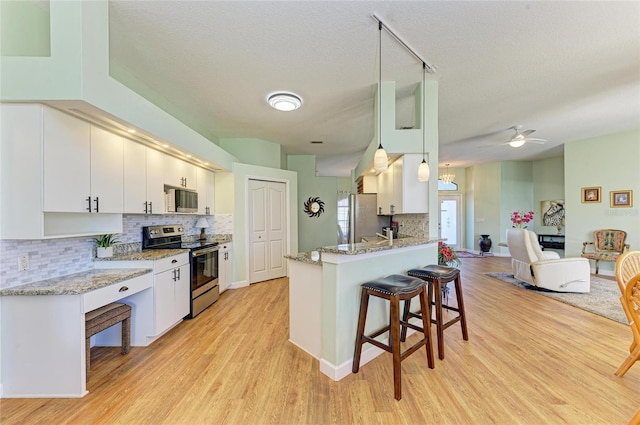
[520, 138]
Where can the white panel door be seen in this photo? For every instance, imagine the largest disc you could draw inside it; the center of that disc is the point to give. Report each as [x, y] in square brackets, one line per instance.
[277, 229]
[267, 229]
[258, 231]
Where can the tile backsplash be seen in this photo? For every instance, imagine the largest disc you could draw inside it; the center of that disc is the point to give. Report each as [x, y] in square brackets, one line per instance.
[58, 257]
[416, 225]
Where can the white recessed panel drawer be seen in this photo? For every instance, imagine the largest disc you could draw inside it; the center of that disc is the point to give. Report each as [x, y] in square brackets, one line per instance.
[169, 263]
[117, 291]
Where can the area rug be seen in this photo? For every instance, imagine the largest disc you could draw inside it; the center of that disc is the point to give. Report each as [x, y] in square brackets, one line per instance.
[603, 299]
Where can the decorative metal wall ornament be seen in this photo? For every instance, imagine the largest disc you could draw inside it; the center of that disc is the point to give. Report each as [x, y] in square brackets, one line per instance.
[314, 207]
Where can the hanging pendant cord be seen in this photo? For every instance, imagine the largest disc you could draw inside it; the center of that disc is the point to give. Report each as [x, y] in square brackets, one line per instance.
[424, 129]
[380, 87]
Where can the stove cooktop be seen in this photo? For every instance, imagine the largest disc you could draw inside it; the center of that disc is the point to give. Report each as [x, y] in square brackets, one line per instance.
[197, 244]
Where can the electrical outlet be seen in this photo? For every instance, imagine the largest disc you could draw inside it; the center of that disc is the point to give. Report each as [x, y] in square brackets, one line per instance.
[23, 263]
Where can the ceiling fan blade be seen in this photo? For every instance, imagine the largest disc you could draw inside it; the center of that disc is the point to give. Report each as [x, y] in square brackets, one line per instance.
[527, 132]
[536, 141]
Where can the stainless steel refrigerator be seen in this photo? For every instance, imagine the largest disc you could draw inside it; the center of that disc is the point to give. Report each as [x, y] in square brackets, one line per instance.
[363, 217]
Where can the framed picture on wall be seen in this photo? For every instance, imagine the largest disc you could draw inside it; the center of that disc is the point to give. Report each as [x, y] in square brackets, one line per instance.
[591, 194]
[621, 198]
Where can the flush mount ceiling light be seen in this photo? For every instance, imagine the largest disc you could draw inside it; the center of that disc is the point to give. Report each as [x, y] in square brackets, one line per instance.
[284, 101]
[447, 177]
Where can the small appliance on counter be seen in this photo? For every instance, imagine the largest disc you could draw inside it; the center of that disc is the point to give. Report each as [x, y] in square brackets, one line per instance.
[203, 258]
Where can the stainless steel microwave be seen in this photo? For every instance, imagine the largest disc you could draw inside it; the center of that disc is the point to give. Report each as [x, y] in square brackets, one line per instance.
[182, 201]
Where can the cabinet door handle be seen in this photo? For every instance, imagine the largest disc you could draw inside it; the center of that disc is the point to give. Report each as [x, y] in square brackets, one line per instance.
[174, 261]
[97, 200]
[174, 275]
[145, 207]
[123, 289]
[89, 201]
[178, 274]
[150, 207]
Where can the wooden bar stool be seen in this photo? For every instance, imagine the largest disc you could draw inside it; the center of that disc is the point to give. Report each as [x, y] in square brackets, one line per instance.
[394, 288]
[104, 317]
[437, 276]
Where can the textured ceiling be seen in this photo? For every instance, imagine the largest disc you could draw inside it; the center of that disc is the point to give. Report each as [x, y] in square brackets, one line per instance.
[570, 70]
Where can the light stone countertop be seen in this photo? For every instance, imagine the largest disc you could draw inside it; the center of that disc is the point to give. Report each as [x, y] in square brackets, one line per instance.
[368, 247]
[75, 284]
[146, 255]
[360, 248]
[304, 257]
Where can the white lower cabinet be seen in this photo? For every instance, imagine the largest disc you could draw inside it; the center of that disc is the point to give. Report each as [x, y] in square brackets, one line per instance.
[171, 302]
[171, 292]
[225, 266]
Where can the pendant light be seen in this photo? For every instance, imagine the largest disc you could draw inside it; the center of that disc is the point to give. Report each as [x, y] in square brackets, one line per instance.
[447, 177]
[380, 160]
[423, 169]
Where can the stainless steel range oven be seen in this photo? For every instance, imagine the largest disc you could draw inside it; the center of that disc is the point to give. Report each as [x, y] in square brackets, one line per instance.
[203, 259]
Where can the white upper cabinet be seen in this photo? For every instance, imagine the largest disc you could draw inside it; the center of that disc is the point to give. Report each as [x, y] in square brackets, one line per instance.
[83, 166]
[143, 179]
[399, 191]
[106, 171]
[385, 192]
[206, 191]
[47, 175]
[178, 173]
[155, 181]
[67, 163]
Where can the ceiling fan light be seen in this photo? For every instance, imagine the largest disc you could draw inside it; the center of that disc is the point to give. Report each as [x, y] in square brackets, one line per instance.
[283, 101]
[423, 171]
[516, 143]
[380, 160]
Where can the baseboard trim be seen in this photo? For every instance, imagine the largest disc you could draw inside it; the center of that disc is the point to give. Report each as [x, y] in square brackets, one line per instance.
[236, 285]
[345, 369]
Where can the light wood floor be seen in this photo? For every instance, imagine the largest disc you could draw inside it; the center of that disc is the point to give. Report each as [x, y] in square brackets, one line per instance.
[529, 360]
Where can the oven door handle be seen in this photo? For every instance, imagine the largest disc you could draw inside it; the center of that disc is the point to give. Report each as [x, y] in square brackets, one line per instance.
[205, 251]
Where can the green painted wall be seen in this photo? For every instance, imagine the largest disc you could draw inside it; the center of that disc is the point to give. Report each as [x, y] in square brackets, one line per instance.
[24, 28]
[224, 193]
[78, 70]
[253, 151]
[487, 198]
[611, 162]
[315, 232]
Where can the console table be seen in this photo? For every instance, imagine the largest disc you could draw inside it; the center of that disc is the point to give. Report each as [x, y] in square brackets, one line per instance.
[551, 241]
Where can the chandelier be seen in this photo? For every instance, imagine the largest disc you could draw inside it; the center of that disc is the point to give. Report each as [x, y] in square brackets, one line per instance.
[447, 177]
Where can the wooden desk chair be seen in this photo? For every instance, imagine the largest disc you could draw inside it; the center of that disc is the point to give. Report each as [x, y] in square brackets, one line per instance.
[609, 244]
[635, 420]
[631, 305]
[627, 266]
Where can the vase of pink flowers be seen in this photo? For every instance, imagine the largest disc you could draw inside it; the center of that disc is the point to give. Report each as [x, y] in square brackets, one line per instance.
[520, 219]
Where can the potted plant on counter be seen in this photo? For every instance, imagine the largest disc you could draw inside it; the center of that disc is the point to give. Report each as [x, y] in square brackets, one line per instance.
[104, 245]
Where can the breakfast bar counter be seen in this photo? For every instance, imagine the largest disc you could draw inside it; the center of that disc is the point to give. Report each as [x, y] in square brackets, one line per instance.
[324, 296]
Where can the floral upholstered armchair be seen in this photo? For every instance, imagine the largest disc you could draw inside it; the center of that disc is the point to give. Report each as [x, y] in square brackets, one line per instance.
[609, 244]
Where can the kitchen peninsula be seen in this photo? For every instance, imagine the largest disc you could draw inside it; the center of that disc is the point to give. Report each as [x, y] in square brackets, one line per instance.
[324, 296]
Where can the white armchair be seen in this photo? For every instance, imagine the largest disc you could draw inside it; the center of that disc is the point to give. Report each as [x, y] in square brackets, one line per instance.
[546, 269]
